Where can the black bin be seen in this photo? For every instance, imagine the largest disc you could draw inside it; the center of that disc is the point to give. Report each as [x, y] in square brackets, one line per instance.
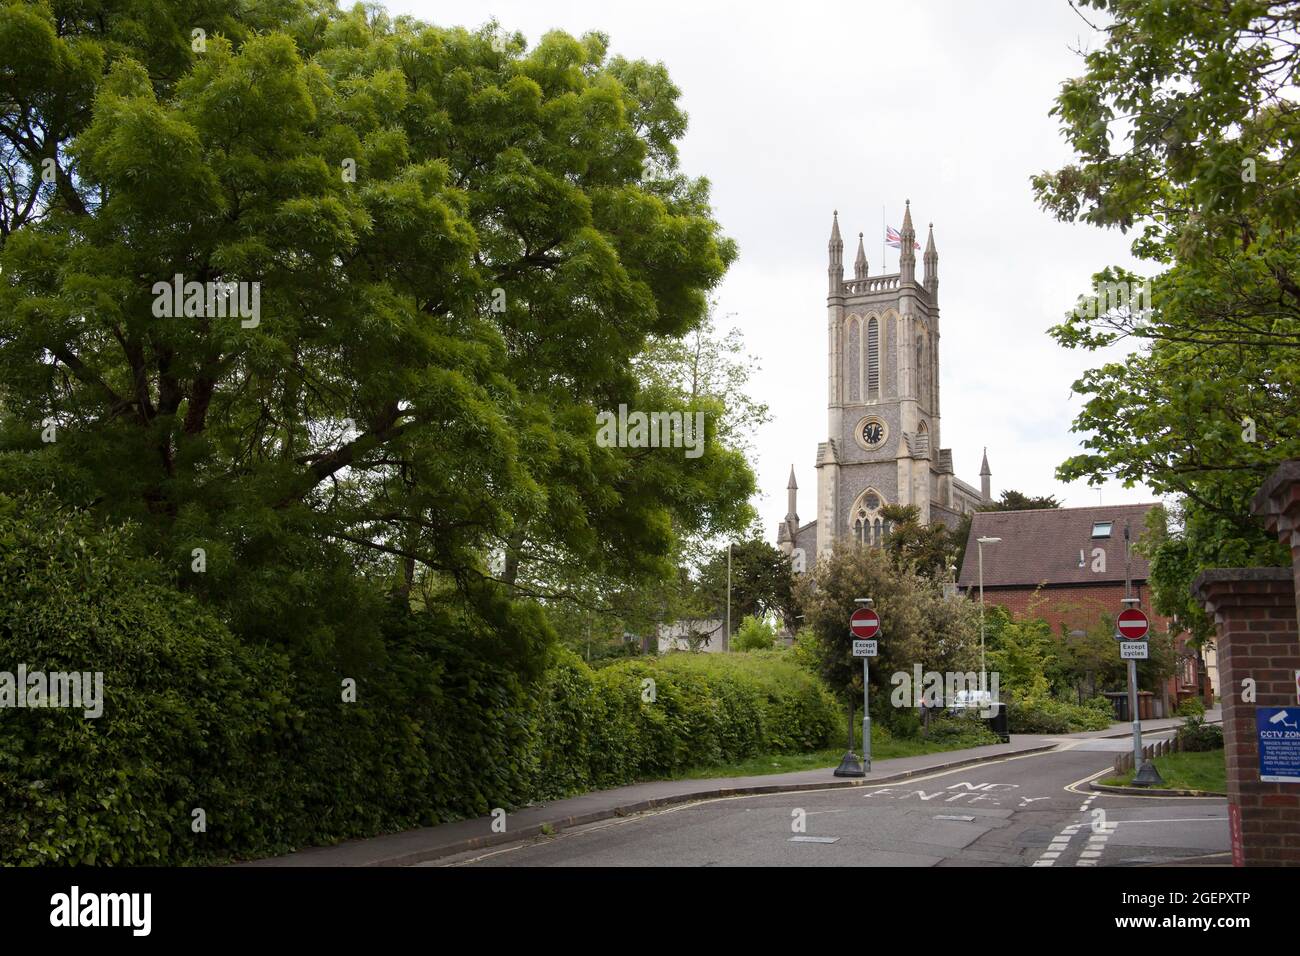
[997, 722]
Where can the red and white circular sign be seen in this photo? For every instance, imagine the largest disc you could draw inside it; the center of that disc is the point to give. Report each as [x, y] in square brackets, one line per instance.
[1132, 624]
[864, 623]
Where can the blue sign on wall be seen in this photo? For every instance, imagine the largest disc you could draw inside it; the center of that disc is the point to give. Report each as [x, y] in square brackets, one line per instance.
[1278, 730]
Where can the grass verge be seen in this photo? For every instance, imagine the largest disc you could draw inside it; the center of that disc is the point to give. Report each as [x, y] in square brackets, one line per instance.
[1203, 770]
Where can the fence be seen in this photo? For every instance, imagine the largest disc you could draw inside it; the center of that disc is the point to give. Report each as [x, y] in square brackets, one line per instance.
[1124, 761]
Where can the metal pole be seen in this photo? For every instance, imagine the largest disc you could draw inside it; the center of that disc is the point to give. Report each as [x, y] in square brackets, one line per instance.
[983, 671]
[1132, 665]
[726, 643]
[850, 765]
[866, 716]
[1133, 713]
[1145, 773]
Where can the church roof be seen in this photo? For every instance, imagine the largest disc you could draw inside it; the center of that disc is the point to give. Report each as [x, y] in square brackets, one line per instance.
[1042, 546]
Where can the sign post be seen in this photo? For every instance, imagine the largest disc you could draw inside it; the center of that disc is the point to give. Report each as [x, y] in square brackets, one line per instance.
[1131, 630]
[864, 625]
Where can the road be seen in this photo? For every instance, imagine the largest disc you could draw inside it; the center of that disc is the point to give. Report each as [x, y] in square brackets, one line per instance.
[1034, 810]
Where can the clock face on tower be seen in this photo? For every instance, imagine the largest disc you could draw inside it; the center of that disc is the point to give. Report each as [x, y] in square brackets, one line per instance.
[871, 433]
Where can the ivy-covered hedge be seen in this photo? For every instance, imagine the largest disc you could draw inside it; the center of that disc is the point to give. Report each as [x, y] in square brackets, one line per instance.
[271, 754]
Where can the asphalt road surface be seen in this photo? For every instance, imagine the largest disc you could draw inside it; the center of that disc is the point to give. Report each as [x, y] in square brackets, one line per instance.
[1034, 810]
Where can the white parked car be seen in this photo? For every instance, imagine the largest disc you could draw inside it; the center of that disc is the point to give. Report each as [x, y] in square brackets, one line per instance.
[966, 700]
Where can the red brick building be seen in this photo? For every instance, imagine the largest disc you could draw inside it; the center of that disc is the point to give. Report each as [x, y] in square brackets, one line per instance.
[1067, 566]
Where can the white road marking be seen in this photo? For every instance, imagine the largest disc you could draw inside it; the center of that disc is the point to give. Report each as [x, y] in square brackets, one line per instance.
[1179, 820]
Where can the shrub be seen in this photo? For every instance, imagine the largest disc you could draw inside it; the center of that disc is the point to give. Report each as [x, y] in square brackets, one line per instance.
[1101, 704]
[901, 721]
[1196, 735]
[1190, 707]
[754, 634]
[1047, 715]
[968, 731]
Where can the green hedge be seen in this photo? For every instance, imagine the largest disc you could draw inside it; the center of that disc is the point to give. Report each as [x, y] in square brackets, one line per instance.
[707, 709]
[268, 749]
[1047, 715]
[184, 706]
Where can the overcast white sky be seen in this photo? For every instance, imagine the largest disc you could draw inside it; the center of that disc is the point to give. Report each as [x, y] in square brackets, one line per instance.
[799, 109]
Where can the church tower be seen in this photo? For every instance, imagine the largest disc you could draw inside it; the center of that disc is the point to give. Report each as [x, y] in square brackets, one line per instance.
[883, 422]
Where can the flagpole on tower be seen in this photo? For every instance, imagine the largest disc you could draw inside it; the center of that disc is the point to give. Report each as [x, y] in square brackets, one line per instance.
[883, 270]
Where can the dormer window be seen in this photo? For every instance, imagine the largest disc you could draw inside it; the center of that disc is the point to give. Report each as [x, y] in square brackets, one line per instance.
[1101, 529]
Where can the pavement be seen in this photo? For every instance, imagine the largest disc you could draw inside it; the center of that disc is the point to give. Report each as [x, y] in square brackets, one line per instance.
[471, 842]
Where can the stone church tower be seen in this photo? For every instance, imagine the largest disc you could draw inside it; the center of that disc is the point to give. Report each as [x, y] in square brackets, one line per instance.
[883, 446]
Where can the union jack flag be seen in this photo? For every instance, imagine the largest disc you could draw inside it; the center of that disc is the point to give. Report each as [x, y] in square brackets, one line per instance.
[895, 241]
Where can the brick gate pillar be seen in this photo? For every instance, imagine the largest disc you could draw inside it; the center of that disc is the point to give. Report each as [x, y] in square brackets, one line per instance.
[1255, 616]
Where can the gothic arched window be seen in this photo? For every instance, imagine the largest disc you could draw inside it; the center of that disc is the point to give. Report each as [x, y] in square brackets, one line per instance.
[865, 518]
[855, 362]
[873, 359]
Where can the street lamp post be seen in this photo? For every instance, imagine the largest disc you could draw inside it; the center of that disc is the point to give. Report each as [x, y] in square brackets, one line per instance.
[726, 637]
[984, 676]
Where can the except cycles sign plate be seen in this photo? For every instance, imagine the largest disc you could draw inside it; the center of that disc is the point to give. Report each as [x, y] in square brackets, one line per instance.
[1132, 625]
[865, 648]
[864, 623]
[1133, 650]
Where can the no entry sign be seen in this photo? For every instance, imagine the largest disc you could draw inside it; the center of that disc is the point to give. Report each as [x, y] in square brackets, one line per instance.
[1132, 625]
[864, 623]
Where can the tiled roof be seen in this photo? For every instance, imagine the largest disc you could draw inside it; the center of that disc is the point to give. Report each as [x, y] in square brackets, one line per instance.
[1042, 546]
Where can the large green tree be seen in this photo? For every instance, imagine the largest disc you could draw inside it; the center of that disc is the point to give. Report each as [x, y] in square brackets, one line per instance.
[919, 625]
[930, 549]
[1184, 126]
[706, 368]
[1012, 500]
[761, 581]
[460, 246]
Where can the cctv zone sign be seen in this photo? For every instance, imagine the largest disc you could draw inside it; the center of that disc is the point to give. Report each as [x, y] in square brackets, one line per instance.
[1278, 731]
